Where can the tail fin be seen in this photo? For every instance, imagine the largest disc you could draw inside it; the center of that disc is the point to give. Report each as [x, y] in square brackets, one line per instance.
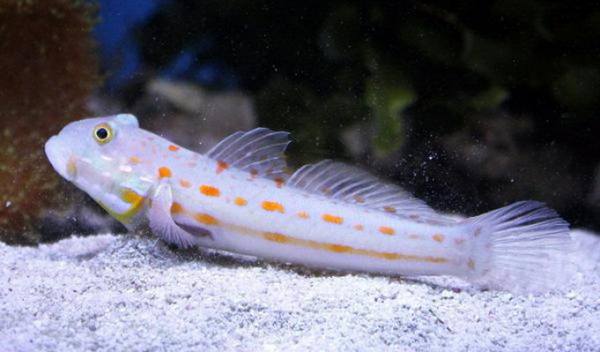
[521, 247]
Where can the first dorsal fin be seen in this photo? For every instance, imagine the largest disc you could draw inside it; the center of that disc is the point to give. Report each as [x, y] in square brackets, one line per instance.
[352, 185]
[258, 151]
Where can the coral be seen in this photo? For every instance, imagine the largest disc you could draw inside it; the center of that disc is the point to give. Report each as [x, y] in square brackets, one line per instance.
[49, 68]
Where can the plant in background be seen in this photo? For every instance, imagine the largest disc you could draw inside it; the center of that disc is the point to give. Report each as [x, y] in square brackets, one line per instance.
[49, 68]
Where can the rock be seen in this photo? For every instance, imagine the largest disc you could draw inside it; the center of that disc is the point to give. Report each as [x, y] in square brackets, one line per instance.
[107, 293]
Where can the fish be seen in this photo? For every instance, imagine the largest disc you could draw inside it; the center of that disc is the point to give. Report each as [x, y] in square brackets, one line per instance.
[240, 197]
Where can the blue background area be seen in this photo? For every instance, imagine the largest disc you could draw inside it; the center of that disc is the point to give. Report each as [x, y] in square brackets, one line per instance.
[121, 57]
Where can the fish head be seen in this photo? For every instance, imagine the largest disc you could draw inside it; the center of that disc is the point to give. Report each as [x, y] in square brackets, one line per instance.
[94, 155]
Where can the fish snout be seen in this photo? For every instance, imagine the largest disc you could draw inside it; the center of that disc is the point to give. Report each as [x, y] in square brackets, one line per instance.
[61, 157]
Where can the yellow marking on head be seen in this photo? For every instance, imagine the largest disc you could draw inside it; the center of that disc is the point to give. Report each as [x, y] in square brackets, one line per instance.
[303, 215]
[272, 206]
[358, 227]
[71, 167]
[135, 160]
[471, 264]
[386, 230]
[389, 209]
[438, 237]
[128, 196]
[131, 197]
[206, 219]
[210, 191]
[221, 166]
[333, 219]
[173, 148]
[164, 172]
[185, 183]
[240, 201]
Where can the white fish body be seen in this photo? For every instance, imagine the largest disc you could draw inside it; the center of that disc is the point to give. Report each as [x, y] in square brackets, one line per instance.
[239, 198]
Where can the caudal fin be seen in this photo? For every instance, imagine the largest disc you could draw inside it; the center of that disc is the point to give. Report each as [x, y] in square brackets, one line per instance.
[520, 247]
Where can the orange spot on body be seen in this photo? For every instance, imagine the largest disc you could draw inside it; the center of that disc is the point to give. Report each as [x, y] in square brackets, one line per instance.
[387, 230]
[135, 160]
[173, 148]
[176, 208]
[438, 237]
[359, 227]
[303, 215]
[164, 172]
[206, 219]
[253, 173]
[278, 182]
[333, 219]
[185, 183]
[240, 201]
[222, 166]
[272, 206]
[210, 191]
[389, 209]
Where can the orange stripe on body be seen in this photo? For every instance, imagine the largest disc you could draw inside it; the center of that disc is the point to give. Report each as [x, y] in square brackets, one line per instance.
[337, 248]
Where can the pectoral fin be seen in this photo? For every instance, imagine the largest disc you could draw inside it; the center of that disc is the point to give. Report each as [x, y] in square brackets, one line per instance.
[160, 219]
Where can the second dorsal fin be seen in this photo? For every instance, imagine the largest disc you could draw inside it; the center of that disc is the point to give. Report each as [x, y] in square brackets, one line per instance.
[352, 185]
[258, 151]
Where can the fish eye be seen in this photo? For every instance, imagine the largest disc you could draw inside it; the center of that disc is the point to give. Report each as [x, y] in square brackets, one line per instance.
[103, 133]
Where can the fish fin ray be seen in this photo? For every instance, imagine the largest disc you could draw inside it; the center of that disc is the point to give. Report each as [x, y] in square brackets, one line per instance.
[161, 222]
[522, 247]
[259, 151]
[352, 185]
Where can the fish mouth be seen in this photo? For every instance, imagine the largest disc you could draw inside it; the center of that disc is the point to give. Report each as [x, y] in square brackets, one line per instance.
[61, 158]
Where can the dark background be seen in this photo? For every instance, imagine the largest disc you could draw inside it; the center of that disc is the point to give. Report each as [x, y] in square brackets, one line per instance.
[470, 105]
